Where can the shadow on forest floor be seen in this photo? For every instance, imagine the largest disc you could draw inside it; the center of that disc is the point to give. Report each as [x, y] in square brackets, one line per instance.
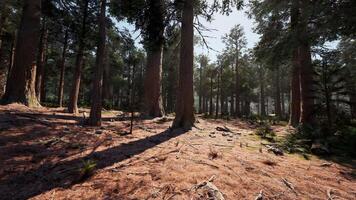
[49, 175]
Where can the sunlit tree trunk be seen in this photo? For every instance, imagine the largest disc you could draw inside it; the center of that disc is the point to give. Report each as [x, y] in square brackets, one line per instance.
[185, 99]
[21, 84]
[153, 105]
[62, 67]
[41, 56]
[73, 100]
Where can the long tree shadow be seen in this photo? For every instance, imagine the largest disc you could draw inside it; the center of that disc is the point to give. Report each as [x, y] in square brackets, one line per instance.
[65, 174]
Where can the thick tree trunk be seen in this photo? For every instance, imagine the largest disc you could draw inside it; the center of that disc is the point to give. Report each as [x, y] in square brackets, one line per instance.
[41, 56]
[306, 69]
[306, 84]
[185, 99]
[277, 101]
[153, 106]
[73, 100]
[21, 84]
[295, 81]
[96, 100]
[11, 58]
[62, 67]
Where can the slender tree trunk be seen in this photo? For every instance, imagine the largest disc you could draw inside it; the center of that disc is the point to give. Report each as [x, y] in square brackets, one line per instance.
[96, 103]
[41, 58]
[217, 98]
[211, 96]
[200, 88]
[21, 84]
[185, 99]
[262, 94]
[153, 106]
[295, 81]
[232, 105]
[62, 67]
[277, 101]
[237, 89]
[73, 100]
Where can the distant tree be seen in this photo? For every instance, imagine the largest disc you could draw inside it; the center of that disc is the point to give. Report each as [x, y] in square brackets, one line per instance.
[236, 41]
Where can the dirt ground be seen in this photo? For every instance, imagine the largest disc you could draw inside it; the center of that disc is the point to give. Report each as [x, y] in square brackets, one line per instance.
[43, 154]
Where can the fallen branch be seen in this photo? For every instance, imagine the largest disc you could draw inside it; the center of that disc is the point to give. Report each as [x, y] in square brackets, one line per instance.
[210, 189]
[289, 185]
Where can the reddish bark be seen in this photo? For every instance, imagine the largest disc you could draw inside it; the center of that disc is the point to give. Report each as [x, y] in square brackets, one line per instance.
[41, 60]
[21, 84]
[185, 99]
[73, 100]
[62, 67]
[96, 103]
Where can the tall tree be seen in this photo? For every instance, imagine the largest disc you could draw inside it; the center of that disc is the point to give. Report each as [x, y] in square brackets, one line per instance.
[185, 99]
[153, 106]
[236, 41]
[73, 99]
[21, 84]
[96, 104]
[62, 68]
[41, 57]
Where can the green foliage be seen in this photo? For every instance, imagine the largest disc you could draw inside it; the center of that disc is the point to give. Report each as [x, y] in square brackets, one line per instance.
[87, 169]
[266, 132]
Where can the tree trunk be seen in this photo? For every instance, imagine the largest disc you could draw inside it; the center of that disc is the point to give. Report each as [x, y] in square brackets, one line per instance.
[41, 58]
[277, 101]
[96, 103]
[217, 97]
[237, 87]
[306, 70]
[295, 81]
[21, 84]
[62, 67]
[73, 100]
[306, 84]
[153, 106]
[200, 88]
[185, 99]
[262, 93]
[11, 58]
[211, 95]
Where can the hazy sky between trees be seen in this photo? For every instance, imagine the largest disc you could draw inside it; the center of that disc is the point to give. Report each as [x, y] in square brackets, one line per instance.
[220, 25]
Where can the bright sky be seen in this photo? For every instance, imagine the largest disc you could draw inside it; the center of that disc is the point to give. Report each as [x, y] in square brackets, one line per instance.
[223, 24]
[220, 25]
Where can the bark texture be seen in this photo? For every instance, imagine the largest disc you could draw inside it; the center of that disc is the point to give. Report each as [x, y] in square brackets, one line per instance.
[153, 104]
[185, 99]
[21, 84]
[96, 103]
[62, 68]
[73, 100]
[41, 56]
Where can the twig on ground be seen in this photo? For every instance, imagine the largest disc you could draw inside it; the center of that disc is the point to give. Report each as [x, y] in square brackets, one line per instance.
[289, 185]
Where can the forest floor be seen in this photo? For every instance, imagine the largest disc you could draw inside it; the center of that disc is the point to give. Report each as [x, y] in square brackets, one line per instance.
[46, 153]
